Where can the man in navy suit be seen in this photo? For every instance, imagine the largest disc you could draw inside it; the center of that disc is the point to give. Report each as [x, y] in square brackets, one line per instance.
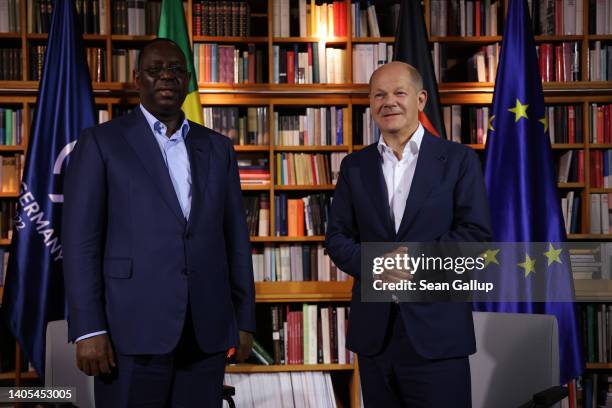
[408, 187]
[157, 261]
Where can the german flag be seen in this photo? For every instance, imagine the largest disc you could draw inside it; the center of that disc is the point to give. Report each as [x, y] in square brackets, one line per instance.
[412, 47]
[172, 26]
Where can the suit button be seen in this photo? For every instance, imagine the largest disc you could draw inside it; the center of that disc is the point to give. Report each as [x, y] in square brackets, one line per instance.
[185, 271]
[188, 235]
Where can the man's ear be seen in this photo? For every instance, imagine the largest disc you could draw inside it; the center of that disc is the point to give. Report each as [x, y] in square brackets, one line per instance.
[422, 99]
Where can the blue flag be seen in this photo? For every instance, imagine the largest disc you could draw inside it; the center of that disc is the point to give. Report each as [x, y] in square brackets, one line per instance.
[522, 189]
[34, 292]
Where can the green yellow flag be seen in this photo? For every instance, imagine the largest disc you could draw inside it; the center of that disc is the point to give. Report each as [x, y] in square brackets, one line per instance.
[172, 25]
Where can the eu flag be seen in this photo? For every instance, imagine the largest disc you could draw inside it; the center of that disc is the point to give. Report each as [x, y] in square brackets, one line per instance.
[34, 293]
[521, 184]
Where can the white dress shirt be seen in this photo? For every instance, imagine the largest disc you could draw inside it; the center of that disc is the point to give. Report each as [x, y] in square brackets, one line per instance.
[399, 173]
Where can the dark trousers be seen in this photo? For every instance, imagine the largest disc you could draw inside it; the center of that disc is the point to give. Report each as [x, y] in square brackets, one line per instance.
[399, 377]
[185, 378]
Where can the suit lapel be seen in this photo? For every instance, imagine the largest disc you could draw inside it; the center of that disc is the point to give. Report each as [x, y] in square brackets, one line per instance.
[139, 136]
[428, 173]
[198, 149]
[374, 182]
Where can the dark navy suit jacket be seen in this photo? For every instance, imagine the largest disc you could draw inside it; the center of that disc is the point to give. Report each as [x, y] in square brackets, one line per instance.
[132, 263]
[447, 202]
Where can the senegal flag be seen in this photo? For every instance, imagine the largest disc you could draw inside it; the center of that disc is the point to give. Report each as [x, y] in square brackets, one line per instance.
[172, 26]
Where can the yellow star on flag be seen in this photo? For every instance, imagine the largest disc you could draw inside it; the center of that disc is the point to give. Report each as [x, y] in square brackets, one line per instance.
[544, 121]
[528, 265]
[553, 254]
[520, 111]
[491, 123]
[490, 256]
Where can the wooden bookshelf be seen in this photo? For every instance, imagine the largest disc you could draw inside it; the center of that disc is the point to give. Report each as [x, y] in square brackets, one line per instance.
[342, 148]
[467, 39]
[230, 40]
[312, 187]
[599, 366]
[255, 368]
[28, 375]
[317, 238]
[303, 291]
[279, 96]
[592, 290]
[251, 187]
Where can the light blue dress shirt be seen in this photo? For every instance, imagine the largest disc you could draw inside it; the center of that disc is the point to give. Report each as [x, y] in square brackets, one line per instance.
[175, 156]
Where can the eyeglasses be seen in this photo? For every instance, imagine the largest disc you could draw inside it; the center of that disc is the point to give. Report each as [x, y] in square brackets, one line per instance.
[176, 70]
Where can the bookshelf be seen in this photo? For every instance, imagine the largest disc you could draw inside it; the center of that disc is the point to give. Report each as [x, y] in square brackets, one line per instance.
[278, 97]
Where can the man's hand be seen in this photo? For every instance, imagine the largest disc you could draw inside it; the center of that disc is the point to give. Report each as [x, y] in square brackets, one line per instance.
[246, 343]
[95, 355]
[395, 275]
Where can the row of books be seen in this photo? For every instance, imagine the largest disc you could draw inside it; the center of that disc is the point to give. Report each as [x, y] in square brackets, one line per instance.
[124, 62]
[11, 126]
[596, 391]
[600, 213]
[96, 61]
[295, 263]
[135, 17]
[365, 131]
[312, 63]
[592, 263]
[11, 171]
[570, 208]
[464, 17]
[10, 64]
[296, 389]
[601, 123]
[254, 172]
[601, 168]
[466, 124]
[366, 22]
[306, 18]
[7, 218]
[257, 211]
[570, 167]
[550, 17]
[232, 64]
[91, 14]
[307, 169]
[38, 15]
[103, 115]
[600, 62]
[243, 125]
[4, 258]
[596, 331]
[368, 57]
[298, 217]
[559, 62]
[37, 55]
[600, 17]
[221, 18]
[9, 16]
[310, 127]
[310, 334]
[451, 65]
[564, 123]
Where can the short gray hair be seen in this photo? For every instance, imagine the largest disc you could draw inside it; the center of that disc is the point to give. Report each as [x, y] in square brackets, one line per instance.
[415, 75]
